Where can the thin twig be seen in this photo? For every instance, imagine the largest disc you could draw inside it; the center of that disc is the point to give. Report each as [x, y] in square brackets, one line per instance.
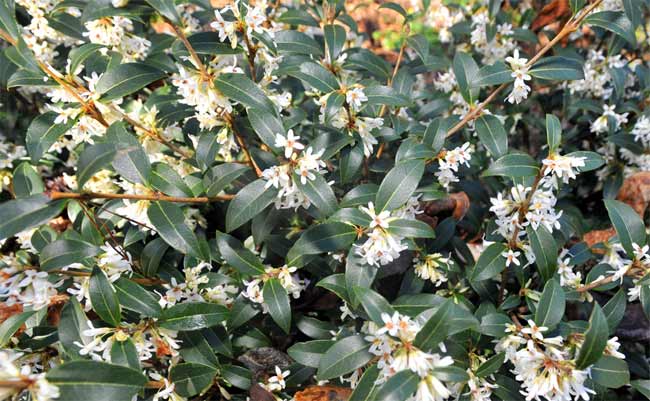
[568, 28]
[54, 195]
[197, 61]
[139, 280]
[242, 144]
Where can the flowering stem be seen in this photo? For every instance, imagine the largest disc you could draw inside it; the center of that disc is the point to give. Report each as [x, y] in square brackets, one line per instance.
[603, 281]
[523, 208]
[89, 107]
[54, 195]
[568, 28]
[197, 61]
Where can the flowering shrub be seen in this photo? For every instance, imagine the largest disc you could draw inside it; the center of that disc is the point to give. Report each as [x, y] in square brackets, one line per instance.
[207, 201]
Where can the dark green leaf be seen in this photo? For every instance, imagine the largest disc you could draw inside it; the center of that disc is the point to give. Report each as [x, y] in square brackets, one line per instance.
[614, 21]
[628, 225]
[192, 316]
[399, 184]
[26, 181]
[491, 365]
[22, 214]
[595, 339]
[545, 250]
[553, 132]
[97, 381]
[237, 256]
[64, 252]
[321, 238]
[93, 159]
[249, 202]
[492, 134]
[11, 325]
[133, 297]
[343, 357]
[316, 76]
[169, 221]
[435, 330]
[399, 387]
[309, 353]
[411, 229]
[552, 303]
[490, 263]
[610, 372]
[277, 300]
[191, 379]
[558, 69]
[43, 133]
[125, 79]
[514, 165]
[104, 299]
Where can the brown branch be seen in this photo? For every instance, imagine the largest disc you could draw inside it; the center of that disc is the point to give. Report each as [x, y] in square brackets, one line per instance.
[139, 280]
[240, 140]
[197, 61]
[89, 107]
[54, 195]
[571, 26]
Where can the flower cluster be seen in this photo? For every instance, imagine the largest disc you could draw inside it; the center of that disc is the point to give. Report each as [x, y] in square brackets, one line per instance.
[302, 168]
[520, 90]
[392, 343]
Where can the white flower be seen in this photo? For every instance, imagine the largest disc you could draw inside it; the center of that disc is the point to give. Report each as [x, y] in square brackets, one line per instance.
[289, 143]
[381, 247]
[534, 331]
[430, 388]
[276, 382]
[376, 220]
[429, 268]
[515, 61]
[565, 167]
[410, 357]
[354, 97]
[226, 29]
[511, 257]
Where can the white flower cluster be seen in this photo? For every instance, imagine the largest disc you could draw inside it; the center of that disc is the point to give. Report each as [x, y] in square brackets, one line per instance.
[116, 34]
[9, 153]
[598, 79]
[449, 162]
[113, 263]
[392, 343]
[520, 90]
[564, 168]
[38, 387]
[348, 119]
[431, 267]
[546, 366]
[601, 124]
[382, 247]
[540, 208]
[281, 177]
[498, 46]
[27, 287]
[38, 35]
[441, 18]
[96, 342]
[287, 277]
[195, 288]
[208, 103]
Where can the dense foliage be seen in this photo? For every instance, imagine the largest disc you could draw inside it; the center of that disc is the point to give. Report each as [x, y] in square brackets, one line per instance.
[251, 199]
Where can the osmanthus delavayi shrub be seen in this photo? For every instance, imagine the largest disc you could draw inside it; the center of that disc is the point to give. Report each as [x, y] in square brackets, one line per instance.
[207, 201]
